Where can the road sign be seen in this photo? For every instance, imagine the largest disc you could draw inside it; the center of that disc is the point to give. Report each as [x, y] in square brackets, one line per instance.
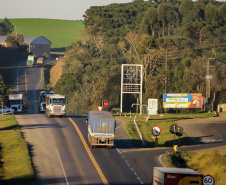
[105, 103]
[208, 180]
[175, 147]
[156, 130]
[99, 108]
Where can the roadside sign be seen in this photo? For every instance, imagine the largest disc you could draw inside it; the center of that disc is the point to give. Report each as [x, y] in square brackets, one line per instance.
[106, 103]
[99, 108]
[156, 130]
[175, 147]
[208, 180]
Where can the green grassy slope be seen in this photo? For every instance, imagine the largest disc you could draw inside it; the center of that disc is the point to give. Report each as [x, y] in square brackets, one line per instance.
[60, 32]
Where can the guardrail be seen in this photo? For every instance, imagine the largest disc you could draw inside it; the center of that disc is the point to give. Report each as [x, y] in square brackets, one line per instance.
[139, 132]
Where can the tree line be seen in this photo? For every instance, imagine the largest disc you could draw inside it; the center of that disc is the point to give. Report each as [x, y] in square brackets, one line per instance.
[173, 41]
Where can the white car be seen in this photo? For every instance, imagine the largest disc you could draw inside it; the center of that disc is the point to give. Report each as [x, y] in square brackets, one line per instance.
[6, 110]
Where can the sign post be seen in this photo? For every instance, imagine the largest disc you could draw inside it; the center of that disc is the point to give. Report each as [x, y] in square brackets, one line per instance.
[156, 131]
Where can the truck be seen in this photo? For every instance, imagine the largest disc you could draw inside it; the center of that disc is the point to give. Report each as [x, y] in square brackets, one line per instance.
[19, 102]
[40, 61]
[42, 100]
[55, 105]
[176, 176]
[30, 60]
[101, 129]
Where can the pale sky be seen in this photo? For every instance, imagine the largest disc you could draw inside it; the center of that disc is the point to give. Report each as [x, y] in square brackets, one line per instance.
[51, 9]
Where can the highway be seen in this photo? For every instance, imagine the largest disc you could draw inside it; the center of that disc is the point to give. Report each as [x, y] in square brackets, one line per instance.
[60, 156]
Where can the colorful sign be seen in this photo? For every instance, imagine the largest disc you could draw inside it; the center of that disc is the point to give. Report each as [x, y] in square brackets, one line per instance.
[183, 100]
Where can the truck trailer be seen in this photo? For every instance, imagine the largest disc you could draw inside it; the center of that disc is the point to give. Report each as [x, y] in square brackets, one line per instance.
[42, 99]
[18, 102]
[176, 176]
[101, 129]
[55, 105]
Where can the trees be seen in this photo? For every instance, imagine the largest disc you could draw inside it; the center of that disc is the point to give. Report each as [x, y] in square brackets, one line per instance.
[6, 27]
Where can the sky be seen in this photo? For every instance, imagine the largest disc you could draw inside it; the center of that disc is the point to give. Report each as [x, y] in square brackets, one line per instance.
[50, 9]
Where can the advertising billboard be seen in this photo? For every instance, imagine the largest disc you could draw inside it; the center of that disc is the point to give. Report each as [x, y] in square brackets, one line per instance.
[182, 100]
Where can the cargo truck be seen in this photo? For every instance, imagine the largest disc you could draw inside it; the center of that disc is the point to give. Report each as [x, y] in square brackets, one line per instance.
[40, 61]
[30, 60]
[101, 129]
[42, 99]
[176, 176]
[18, 102]
[55, 105]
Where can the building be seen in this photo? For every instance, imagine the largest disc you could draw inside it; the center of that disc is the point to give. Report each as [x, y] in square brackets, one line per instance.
[37, 45]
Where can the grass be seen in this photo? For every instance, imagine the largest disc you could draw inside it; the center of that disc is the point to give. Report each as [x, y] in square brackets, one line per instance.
[15, 162]
[208, 163]
[164, 121]
[61, 33]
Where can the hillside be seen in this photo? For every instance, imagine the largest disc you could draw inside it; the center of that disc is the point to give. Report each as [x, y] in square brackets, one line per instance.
[60, 32]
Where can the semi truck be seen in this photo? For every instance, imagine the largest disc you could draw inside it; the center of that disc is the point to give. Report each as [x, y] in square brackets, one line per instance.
[55, 105]
[30, 60]
[42, 99]
[101, 129]
[176, 176]
[18, 102]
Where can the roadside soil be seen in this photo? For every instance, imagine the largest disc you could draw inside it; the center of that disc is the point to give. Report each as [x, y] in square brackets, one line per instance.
[56, 72]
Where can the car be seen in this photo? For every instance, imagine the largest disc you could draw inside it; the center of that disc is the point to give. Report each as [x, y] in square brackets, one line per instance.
[6, 110]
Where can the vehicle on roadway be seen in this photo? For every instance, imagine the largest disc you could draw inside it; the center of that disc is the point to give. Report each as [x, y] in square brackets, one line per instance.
[42, 99]
[19, 102]
[55, 105]
[40, 60]
[101, 129]
[30, 60]
[6, 110]
[177, 176]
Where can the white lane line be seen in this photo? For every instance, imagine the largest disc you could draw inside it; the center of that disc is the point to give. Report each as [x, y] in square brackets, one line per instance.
[62, 167]
[118, 126]
[160, 159]
[36, 90]
[128, 164]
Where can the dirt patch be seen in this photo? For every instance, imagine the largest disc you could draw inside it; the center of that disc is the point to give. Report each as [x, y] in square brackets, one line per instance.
[56, 72]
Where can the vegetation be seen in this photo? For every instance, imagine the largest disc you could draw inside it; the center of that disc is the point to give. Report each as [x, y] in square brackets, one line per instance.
[60, 33]
[173, 41]
[207, 163]
[164, 121]
[14, 169]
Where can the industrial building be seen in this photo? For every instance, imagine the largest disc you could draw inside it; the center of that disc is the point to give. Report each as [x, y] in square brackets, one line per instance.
[37, 45]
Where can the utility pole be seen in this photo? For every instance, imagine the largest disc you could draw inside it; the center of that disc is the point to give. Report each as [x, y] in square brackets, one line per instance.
[166, 66]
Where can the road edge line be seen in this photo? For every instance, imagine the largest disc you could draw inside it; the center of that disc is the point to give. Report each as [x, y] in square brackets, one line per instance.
[103, 178]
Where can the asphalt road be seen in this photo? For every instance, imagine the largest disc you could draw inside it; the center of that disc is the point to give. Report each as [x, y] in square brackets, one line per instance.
[60, 157]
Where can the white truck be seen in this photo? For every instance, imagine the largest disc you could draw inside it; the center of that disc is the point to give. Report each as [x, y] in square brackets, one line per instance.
[176, 176]
[55, 105]
[42, 100]
[101, 129]
[18, 102]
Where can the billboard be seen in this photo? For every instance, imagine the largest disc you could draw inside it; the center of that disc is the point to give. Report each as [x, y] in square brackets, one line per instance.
[182, 100]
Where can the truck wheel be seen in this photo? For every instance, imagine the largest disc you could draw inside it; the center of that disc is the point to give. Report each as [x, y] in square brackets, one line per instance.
[109, 147]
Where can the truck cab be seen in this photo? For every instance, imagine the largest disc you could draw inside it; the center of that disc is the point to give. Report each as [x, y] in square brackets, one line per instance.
[42, 99]
[18, 102]
[55, 105]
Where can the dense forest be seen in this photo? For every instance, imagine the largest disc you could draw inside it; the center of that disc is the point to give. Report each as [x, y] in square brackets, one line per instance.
[177, 42]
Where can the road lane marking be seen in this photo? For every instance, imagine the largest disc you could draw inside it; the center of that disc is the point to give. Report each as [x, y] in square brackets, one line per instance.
[25, 78]
[62, 167]
[89, 153]
[118, 126]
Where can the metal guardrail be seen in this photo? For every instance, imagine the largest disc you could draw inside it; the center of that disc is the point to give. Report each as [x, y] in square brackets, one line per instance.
[139, 132]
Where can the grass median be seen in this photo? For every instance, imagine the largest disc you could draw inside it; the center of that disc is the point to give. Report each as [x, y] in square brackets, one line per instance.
[15, 162]
[164, 121]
